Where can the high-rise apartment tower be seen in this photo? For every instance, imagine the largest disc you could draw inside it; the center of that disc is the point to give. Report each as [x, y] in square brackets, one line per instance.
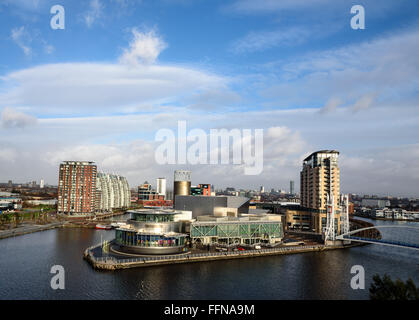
[77, 188]
[320, 177]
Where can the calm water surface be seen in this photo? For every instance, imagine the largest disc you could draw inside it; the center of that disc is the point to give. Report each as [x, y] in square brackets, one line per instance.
[25, 264]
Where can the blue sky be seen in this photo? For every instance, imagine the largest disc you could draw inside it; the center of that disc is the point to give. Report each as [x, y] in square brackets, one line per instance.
[123, 69]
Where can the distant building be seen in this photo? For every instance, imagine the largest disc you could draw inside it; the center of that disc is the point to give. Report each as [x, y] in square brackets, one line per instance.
[262, 189]
[292, 187]
[77, 188]
[10, 201]
[51, 202]
[41, 183]
[201, 190]
[10, 184]
[375, 203]
[161, 186]
[146, 192]
[169, 195]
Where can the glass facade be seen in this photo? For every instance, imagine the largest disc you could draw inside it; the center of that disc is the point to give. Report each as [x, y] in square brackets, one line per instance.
[132, 238]
[157, 218]
[260, 231]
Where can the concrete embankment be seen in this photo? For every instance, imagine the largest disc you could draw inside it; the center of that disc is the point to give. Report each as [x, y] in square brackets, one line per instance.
[111, 263]
[28, 229]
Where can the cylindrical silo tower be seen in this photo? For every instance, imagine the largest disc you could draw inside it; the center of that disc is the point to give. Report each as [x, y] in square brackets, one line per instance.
[182, 183]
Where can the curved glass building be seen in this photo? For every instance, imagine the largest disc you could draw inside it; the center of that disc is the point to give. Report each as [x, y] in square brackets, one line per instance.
[151, 232]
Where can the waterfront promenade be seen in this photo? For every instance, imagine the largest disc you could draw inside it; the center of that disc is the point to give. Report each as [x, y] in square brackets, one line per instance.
[93, 256]
[67, 222]
[29, 228]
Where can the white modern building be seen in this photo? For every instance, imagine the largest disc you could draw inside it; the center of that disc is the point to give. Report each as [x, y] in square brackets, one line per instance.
[112, 192]
[161, 186]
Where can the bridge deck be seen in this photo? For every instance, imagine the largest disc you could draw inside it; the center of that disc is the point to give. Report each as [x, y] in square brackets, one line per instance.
[388, 242]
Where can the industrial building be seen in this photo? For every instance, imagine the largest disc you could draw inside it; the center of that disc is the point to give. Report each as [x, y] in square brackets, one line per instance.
[212, 205]
[182, 183]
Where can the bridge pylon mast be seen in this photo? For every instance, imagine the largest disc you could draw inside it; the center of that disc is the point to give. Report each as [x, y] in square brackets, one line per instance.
[345, 214]
[330, 233]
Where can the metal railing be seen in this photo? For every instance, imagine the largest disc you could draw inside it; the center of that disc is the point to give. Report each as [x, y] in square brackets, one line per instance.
[188, 256]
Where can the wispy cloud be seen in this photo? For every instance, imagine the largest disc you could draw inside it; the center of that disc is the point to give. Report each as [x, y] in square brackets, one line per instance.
[360, 75]
[331, 105]
[365, 102]
[251, 6]
[23, 39]
[261, 40]
[94, 12]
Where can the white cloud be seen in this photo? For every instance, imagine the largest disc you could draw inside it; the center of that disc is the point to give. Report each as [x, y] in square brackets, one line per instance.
[94, 12]
[136, 159]
[281, 142]
[72, 88]
[124, 144]
[11, 118]
[385, 171]
[7, 155]
[361, 74]
[137, 154]
[22, 38]
[136, 83]
[144, 48]
[261, 40]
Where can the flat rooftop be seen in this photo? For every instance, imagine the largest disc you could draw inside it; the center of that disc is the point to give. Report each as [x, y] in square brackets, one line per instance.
[320, 151]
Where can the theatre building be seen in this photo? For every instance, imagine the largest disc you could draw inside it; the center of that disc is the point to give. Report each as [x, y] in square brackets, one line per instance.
[153, 232]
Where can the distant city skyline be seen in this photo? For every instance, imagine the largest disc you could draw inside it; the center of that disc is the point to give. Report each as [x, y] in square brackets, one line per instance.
[100, 89]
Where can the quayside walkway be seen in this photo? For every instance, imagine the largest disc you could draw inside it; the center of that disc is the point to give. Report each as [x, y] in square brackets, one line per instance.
[93, 256]
[29, 228]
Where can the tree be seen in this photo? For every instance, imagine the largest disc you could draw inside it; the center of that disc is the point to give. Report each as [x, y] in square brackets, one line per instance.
[387, 289]
[17, 219]
[5, 218]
